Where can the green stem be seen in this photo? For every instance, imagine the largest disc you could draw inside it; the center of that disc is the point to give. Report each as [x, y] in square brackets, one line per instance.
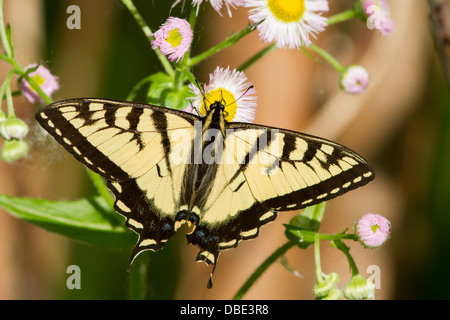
[317, 259]
[5, 42]
[257, 56]
[342, 16]
[228, 42]
[328, 57]
[137, 16]
[149, 34]
[2, 92]
[189, 75]
[193, 18]
[9, 102]
[133, 93]
[336, 236]
[346, 250]
[257, 273]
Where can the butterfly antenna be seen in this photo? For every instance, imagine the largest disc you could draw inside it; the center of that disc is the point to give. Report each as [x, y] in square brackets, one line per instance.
[196, 110]
[245, 92]
[222, 100]
[204, 95]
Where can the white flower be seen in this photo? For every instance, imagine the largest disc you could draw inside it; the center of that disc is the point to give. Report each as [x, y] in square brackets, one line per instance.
[231, 87]
[289, 23]
[217, 4]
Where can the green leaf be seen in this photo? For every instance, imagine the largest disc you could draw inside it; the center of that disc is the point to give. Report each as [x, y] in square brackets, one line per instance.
[304, 225]
[87, 220]
[178, 99]
[162, 92]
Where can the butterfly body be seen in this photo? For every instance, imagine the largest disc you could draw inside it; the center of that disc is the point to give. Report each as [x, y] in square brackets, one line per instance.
[167, 167]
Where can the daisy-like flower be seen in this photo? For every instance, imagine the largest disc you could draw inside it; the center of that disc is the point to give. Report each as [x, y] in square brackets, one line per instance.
[173, 38]
[379, 15]
[231, 87]
[372, 230]
[354, 79]
[290, 23]
[217, 4]
[46, 81]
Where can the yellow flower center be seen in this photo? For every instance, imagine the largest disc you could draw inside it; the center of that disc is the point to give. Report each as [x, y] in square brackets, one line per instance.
[38, 79]
[374, 228]
[287, 10]
[174, 38]
[226, 97]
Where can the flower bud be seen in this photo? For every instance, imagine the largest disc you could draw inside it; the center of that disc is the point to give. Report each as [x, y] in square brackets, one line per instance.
[324, 289]
[359, 288]
[354, 79]
[13, 150]
[13, 129]
[334, 294]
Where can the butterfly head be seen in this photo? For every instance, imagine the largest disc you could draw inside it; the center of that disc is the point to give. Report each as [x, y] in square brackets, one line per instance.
[220, 101]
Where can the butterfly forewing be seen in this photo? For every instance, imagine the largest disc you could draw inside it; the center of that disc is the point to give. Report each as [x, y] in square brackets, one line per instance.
[130, 145]
[292, 170]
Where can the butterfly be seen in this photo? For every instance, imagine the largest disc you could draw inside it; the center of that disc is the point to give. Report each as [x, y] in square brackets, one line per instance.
[224, 179]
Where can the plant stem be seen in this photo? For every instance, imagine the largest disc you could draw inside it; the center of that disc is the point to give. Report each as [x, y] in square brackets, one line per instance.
[328, 57]
[137, 16]
[193, 18]
[132, 95]
[9, 102]
[346, 250]
[148, 33]
[228, 42]
[189, 75]
[257, 273]
[257, 56]
[317, 259]
[336, 236]
[5, 42]
[342, 16]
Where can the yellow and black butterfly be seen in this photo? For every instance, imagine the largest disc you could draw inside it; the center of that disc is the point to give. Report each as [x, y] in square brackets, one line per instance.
[225, 179]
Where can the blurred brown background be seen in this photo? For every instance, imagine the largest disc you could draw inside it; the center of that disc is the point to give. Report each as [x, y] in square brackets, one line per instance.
[401, 125]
